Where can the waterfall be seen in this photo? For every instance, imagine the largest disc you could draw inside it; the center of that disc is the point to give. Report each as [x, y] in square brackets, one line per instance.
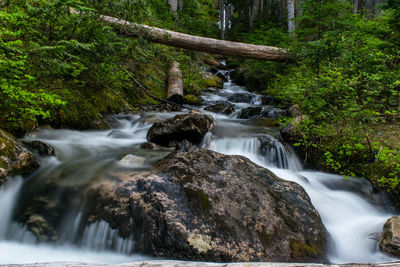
[8, 196]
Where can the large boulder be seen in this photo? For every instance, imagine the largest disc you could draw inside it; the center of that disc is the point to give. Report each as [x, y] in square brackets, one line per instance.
[192, 127]
[222, 107]
[202, 205]
[390, 238]
[14, 158]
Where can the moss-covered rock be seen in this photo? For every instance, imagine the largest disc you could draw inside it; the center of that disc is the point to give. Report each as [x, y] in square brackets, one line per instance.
[191, 99]
[14, 158]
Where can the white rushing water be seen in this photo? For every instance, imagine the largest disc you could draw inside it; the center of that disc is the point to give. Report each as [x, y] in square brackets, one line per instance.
[346, 206]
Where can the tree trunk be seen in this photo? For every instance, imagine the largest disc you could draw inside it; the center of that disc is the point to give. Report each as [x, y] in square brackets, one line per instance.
[175, 83]
[290, 11]
[369, 9]
[191, 42]
[254, 12]
[173, 5]
[222, 21]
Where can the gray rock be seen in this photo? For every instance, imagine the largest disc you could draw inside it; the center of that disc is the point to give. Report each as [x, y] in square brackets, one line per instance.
[14, 158]
[222, 107]
[390, 238]
[42, 149]
[250, 112]
[202, 205]
[192, 127]
[241, 98]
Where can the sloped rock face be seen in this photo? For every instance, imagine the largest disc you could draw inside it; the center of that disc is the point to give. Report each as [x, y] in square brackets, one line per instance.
[14, 158]
[192, 127]
[202, 205]
[390, 237]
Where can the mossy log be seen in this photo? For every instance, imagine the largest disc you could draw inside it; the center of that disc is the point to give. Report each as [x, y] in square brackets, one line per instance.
[197, 43]
[175, 83]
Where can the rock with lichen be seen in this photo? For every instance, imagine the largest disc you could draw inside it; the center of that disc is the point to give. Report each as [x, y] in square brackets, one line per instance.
[390, 238]
[196, 204]
[14, 157]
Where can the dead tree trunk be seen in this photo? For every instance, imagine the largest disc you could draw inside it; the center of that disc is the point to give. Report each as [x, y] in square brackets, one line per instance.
[191, 42]
[175, 83]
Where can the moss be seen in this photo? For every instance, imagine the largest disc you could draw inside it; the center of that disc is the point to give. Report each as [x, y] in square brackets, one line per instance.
[302, 251]
[199, 197]
[191, 99]
[213, 81]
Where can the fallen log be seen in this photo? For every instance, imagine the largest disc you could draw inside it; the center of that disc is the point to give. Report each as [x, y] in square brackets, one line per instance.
[175, 84]
[214, 63]
[197, 43]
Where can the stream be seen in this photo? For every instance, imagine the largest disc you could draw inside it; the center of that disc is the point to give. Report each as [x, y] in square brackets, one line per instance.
[351, 213]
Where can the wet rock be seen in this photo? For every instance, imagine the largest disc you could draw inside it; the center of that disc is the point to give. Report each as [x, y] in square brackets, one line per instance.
[201, 205]
[250, 112]
[274, 113]
[241, 98]
[222, 107]
[152, 146]
[42, 149]
[192, 127]
[132, 161]
[14, 158]
[390, 238]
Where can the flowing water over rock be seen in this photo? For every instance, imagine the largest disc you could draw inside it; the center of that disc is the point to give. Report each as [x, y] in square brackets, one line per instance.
[351, 213]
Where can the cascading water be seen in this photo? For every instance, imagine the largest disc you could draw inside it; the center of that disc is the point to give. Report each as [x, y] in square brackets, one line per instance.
[349, 211]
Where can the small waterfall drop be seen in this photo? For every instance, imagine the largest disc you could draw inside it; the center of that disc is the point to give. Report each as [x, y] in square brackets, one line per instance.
[8, 196]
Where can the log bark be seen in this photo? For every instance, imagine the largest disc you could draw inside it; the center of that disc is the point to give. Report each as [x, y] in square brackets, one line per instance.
[175, 84]
[191, 42]
[214, 63]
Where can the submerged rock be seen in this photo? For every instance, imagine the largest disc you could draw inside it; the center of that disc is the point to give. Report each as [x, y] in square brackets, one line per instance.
[390, 238]
[14, 158]
[222, 107]
[192, 127]
[42, 149]
[132, 161]
[201, 205]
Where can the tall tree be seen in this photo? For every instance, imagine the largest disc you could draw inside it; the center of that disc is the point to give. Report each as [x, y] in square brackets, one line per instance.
[254, 11]
[290, 16]
[174, 5]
